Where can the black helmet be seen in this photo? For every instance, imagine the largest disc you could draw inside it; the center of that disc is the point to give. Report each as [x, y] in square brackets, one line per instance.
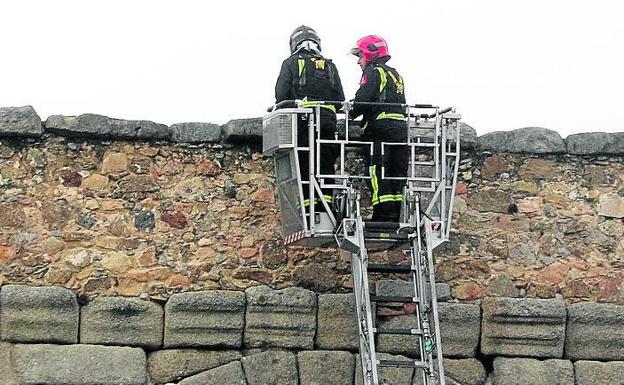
[301, 34]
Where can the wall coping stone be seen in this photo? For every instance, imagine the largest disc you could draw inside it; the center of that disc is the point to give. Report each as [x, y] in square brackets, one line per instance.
[24, 122]
[596, 143]
[100, 126]
[20, 122]
[532, 140]
[247, 130]
[195, 132]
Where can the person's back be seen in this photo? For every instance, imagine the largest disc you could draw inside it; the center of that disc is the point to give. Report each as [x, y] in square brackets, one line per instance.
[308, 76]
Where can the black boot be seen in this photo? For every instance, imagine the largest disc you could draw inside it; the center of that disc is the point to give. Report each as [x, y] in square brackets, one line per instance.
[386, 212]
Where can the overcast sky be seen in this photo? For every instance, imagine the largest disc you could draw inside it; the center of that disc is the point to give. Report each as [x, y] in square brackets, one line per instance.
[503, 64]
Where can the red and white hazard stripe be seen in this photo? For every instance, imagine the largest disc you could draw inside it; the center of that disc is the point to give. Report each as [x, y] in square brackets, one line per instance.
[294, 237]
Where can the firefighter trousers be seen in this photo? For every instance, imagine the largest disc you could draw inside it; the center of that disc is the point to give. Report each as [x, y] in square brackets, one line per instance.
[387, 194]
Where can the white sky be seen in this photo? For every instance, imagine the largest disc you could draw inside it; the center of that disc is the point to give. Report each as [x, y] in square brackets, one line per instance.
[504, 64]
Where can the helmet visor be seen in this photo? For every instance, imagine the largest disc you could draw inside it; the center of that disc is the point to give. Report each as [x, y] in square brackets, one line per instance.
[355, 51]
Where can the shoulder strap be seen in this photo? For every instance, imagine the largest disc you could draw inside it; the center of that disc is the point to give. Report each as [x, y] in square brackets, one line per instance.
[301, 70]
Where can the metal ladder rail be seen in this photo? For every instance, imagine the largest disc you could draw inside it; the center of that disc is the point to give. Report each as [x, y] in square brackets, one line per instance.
[422, 247]
[434, 301]
[427, 332]
[422, 272]
[353, 240]
[419, 271]
[416, 254]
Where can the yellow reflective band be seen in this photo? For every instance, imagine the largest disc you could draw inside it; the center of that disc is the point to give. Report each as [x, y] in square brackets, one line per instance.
[301, 63]
[384, 80]
[329, 107]
[384, 115]
[326, 198]
[398, 197]
[374, 185]
[386, 198]
[365, 125]
[312, 103]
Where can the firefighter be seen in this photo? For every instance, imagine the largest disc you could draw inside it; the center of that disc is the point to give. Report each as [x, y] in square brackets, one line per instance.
[307, 75]
[381, 83]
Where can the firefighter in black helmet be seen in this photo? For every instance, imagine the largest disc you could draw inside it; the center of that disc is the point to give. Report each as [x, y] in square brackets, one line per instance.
[307, 75]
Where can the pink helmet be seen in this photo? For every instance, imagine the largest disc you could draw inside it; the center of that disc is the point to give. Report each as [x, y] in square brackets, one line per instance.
[371, 47]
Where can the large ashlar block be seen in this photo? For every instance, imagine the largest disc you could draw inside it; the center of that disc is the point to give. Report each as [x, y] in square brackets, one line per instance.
[205, 318]
[387, 375]
[38, 314]
[337, 323]
[122, 321]
[465, 371]
[321, 367]
[406, 289]
[280, 318]
[171, 365]
[523, 327]
[229, 374]
[595, 332]
[459, 329]
[460, 326]
[524, 371]
[79, 365]
[271, 367]
[599, 373]
[7, 374]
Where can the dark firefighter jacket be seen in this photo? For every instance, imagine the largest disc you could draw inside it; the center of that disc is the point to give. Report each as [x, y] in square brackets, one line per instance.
[308, 75]
[380, 83]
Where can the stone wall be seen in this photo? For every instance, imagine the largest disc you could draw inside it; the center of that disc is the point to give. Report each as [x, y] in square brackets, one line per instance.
[159, 247]
[294, 336]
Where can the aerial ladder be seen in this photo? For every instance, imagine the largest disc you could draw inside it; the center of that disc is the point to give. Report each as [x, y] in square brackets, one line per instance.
[433, 143]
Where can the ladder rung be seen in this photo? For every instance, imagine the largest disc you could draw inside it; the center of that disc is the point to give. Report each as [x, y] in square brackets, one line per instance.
[385, 268]
[393, 298]
[402, 364]
[415, 332]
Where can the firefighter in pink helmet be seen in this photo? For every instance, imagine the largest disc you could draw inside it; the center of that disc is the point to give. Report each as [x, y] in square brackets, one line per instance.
[381, 83]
